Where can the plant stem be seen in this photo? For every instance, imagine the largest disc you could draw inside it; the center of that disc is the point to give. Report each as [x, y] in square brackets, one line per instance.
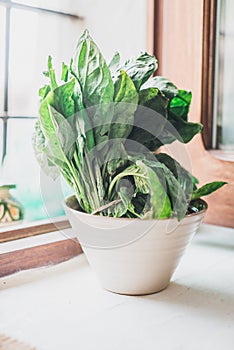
[79, 186]
[94, 185]
[106, 206]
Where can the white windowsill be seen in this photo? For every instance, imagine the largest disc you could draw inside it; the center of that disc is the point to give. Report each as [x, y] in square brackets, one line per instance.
[64, 307]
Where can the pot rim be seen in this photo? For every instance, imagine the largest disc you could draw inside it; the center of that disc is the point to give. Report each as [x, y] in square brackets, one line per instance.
[130, 219]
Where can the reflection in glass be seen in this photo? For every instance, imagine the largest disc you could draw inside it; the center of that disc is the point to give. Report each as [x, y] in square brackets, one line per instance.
[1, 144]
[2, 49]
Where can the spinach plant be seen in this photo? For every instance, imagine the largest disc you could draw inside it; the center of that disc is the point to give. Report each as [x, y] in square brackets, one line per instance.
[102, 127]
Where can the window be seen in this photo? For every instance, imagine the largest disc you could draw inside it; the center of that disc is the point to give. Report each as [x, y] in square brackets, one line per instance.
[224, 76]
[218, 56]
[34, 31]
[29, 31]
[27, 35]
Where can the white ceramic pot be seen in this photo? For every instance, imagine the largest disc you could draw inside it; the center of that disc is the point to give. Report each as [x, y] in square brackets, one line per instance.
[133, 256]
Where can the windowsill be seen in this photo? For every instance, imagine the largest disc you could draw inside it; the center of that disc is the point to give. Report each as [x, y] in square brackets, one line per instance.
[36, 240]
[28, 229]
[223, 155]
[38, 248]
[64, 306]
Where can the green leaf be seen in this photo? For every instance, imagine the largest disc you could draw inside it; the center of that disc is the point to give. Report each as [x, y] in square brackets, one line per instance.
[125, 105]
[142, 186]
[64, 133]
[182, 130]
[82, 120]
[184, 178]
[51, 74]
[152, 98]
[97, 87]
[176, 194]
[176, 127]
[42, 154]
[125, 205]
[125, 90]
[179, 200]
[114, 64]
[195, 182]
[163, 84]
[93, 73]
[149, 121]
[50, 127]
[65, 72]
[140, 68]
[207, 189]
[116, 157]
[61, 101]
[132, 170]
[43, 91]
[141, 203]
[180, 104]
[160, 203]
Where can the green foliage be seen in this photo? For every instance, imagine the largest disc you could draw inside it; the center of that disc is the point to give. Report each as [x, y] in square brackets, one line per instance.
[125, 105]
[207, 189]
[140, 68]
[100, 126]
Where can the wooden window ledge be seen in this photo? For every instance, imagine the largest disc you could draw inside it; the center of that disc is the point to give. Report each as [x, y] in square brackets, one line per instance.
[42, 245]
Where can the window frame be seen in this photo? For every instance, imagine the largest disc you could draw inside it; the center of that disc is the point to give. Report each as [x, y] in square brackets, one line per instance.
[49, 253]
[38, 256]
[35, 228]
[208, 72]
[210, 80]
[9, 4]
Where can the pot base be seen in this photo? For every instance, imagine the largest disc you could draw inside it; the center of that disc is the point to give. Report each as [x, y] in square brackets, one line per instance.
[138, 293]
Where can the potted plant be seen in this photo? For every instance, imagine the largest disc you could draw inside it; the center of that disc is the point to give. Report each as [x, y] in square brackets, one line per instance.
[134, 208]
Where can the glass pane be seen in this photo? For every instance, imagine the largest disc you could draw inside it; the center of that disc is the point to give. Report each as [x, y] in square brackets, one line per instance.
[40, 195]
[1, 144]
[68, 6]
[226, 76]
[2, 50]
[33, 37]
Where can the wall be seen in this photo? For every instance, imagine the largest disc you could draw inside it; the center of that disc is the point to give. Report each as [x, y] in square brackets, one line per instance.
[181, 39]
[116, 25]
